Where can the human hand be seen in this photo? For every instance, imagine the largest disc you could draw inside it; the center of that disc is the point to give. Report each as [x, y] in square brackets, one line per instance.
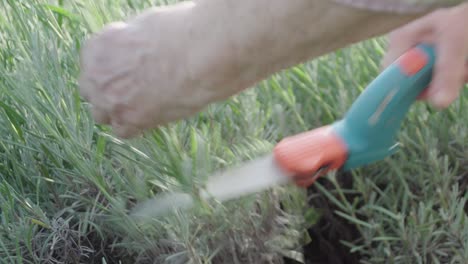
[170, 62]
[446, 30]
[137, 75]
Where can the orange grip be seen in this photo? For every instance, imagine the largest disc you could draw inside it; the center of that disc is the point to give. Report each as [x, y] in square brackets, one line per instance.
[311, 154]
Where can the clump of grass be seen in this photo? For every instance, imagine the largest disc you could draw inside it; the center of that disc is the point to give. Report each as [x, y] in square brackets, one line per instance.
[67, 184]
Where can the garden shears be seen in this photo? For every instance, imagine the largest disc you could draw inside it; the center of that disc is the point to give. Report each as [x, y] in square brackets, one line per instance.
[366, 134]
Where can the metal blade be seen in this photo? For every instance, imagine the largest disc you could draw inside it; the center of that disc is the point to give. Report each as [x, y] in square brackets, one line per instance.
[254, 176]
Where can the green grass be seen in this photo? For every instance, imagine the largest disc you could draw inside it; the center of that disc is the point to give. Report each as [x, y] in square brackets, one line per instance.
[66, 184]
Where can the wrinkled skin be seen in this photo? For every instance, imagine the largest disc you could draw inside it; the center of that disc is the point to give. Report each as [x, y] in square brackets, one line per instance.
[169, 63]
[446, 30]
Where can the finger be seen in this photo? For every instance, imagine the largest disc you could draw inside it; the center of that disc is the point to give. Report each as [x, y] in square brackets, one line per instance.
[100, 115]
[84, 86]
[124, 131]
[423, 95]
[406, 37]
[449, 71]
[88, 90]
[122, 123]
[125, 114]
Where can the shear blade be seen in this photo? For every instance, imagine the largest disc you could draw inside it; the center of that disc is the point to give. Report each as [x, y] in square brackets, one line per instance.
[254, 176]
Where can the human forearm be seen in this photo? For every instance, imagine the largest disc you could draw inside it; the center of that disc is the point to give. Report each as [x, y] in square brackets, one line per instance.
[257, 38]
[168, 63]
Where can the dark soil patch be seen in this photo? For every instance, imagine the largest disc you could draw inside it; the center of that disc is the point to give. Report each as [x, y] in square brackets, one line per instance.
[326, 235]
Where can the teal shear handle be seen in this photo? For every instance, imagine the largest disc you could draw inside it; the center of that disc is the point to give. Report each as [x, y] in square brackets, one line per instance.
[370, 127]
[368, 131]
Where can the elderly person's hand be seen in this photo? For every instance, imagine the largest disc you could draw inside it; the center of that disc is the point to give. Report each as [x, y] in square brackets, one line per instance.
[447, 30]
[140, 74]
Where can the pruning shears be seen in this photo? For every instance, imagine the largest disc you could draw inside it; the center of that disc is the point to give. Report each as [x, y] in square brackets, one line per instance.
[366, 134]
